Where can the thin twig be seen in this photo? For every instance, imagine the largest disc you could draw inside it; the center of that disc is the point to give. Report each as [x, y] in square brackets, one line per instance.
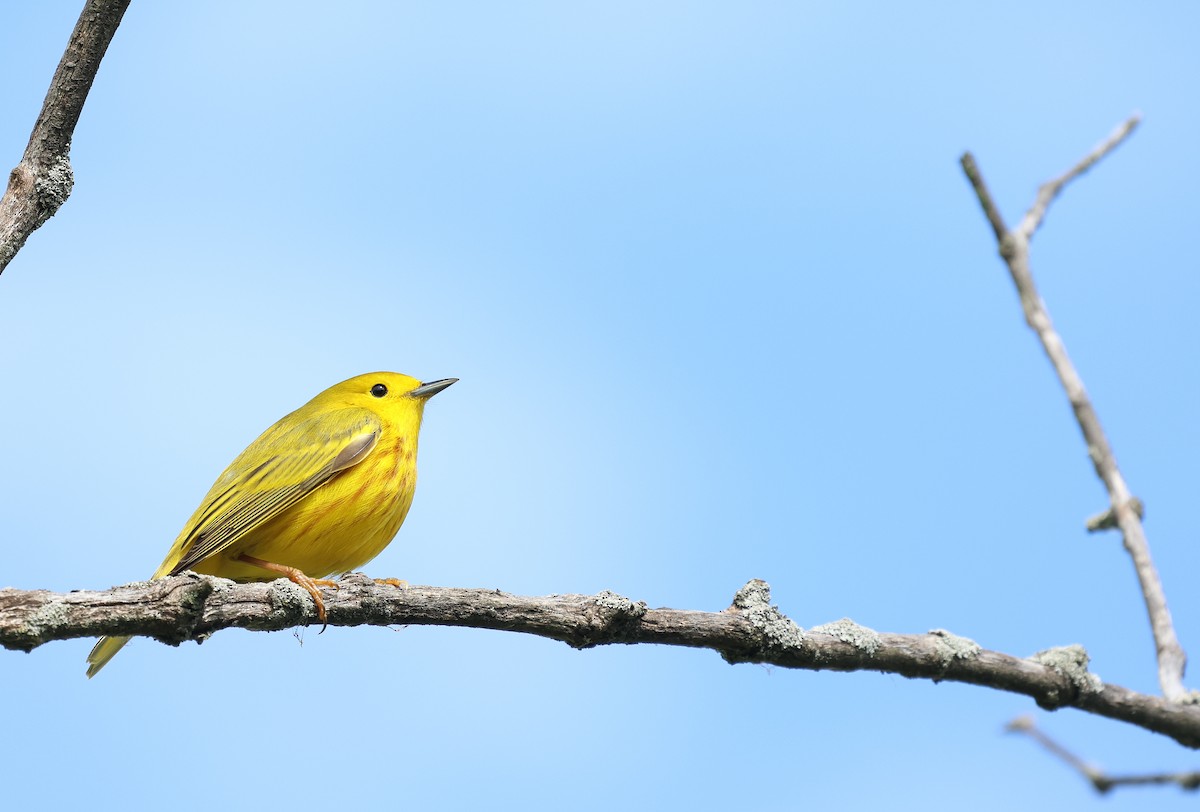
[1014, 248]
[1048, 191]
[990, 210]
[42, 181]
[752, 630]
[1098, 778]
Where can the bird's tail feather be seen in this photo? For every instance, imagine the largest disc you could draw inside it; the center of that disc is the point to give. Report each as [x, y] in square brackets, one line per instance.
[105, 649]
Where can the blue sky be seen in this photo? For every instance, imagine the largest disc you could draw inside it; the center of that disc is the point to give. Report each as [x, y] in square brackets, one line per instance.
[723, 307]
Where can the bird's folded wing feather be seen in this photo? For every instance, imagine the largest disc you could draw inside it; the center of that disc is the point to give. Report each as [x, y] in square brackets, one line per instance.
[275, 472]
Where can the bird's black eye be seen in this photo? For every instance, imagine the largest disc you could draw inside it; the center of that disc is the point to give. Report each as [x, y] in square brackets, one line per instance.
[378, 390]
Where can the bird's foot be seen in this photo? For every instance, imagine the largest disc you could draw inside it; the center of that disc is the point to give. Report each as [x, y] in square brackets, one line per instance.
[301, 580]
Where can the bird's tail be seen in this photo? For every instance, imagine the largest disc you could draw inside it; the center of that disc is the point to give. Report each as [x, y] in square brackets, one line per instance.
[105, 649]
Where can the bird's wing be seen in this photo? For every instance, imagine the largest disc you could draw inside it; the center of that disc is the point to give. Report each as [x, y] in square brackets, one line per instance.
[276, 471]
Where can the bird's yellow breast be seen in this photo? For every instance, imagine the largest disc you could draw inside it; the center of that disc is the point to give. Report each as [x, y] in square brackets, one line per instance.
[339, 527]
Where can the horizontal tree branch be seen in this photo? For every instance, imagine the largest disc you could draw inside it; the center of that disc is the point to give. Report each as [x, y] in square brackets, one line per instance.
[42, 181]
[193, 607]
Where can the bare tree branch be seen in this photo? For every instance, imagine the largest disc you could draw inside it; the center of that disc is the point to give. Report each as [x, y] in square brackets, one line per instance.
[1102, 781]
[1048, 191]
[1014, 248]
[42, 181]
[193, 607]
[990, 209]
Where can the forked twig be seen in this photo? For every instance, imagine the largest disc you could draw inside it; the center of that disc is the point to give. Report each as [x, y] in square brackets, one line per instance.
[1125, 510]
[1098, 778]
[1048, 191]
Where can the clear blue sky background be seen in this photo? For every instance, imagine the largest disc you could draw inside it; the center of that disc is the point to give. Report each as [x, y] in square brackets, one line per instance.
[723, 307]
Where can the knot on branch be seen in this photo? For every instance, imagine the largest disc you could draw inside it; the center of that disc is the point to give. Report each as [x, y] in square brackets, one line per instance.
[19, 180]
[771, 631]
[608, 618]
[1070, 662]
[1010, 246]
[183, 598]
[1108, 520]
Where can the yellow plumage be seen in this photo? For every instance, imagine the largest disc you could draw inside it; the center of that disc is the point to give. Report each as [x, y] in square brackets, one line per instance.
[320, 493]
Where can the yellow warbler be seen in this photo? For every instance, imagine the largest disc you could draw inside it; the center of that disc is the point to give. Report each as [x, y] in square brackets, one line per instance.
[320, 493]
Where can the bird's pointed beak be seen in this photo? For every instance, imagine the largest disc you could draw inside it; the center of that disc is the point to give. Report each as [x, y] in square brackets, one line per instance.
[428, 390]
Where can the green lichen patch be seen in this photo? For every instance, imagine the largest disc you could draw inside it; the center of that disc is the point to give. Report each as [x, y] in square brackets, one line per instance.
[846, 630]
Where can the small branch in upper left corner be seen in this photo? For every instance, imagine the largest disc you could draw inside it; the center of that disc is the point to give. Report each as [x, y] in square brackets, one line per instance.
[42, 181]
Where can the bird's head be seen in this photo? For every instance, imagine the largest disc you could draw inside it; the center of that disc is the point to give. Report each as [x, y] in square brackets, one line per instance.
[400, 396]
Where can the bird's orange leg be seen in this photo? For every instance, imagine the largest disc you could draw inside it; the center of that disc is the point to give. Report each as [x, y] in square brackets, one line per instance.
[299, 579]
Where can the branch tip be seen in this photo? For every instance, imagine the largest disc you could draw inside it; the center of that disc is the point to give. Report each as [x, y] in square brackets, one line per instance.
[990, 210]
